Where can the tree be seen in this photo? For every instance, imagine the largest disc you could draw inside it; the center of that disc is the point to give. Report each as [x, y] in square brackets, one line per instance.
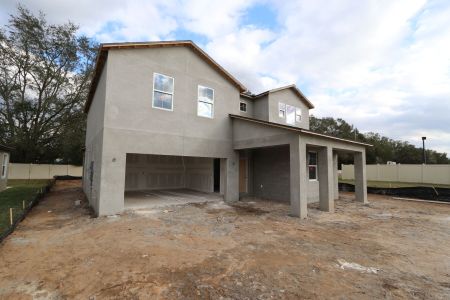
[384, 149]
[45, 73]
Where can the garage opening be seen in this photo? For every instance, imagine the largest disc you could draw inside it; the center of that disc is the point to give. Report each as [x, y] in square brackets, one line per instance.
[161, 180]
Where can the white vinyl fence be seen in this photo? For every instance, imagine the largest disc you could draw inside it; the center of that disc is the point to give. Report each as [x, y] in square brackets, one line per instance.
[42, 171]
[434, 174]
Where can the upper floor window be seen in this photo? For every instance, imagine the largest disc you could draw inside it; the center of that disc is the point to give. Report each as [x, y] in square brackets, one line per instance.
[4, 165]
[312, 165]
[298, 115]
[281, 110]
[163, 87]
[243, 106]
[290, 114]
[205, 102]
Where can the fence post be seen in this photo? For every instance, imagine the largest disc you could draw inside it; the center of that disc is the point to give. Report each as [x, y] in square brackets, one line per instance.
[11, 216]
[23, 204]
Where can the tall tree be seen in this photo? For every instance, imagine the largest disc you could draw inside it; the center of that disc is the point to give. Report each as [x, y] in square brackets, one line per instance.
[45, 73]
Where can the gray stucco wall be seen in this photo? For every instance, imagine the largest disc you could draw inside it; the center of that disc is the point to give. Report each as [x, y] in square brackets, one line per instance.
[249, 112]
[133, 126]
[261, 108]
[3, 181]
[94, 142]
[287, 96]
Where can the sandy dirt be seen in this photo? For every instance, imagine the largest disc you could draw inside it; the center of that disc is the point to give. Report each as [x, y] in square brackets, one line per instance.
[251, 250]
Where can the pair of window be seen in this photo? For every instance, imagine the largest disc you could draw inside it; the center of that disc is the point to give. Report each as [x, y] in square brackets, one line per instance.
[291, 113]
[163, 90]
[4, 165]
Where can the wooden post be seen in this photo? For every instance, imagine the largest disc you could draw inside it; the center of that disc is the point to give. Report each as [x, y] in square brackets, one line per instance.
[11, 216]
[23, 204]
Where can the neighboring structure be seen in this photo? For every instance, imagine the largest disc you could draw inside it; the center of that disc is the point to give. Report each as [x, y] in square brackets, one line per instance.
[4, 163]
[165, 115]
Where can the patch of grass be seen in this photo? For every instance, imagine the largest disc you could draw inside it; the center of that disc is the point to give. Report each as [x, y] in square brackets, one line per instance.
[13, 197]
[389, 184]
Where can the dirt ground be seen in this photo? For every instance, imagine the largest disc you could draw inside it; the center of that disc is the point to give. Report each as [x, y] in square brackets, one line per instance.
[251, 250]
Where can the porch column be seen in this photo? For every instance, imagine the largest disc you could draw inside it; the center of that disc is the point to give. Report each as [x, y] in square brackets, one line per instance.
[360, 176]
[326, 181]
[298, 178]
[335, 176]
[231, 188]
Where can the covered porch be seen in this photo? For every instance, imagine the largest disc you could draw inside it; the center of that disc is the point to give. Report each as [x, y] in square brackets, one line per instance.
[305, 172]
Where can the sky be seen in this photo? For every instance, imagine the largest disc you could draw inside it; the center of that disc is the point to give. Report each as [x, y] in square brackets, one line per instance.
[381, 65]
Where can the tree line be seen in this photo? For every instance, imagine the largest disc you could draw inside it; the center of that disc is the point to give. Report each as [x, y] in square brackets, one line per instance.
[384, 149]
[45, 75]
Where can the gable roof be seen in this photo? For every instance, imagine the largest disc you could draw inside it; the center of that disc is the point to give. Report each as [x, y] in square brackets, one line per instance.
[103, 55]
[293, 87]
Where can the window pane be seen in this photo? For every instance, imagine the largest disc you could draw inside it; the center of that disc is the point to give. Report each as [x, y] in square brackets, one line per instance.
[312, 172]
[162, 100]
[205, 109]
[243, 106]
[290, 114]
[312, 158]
[281, 110]
[205, 94]
[163, 83]
[298, 115]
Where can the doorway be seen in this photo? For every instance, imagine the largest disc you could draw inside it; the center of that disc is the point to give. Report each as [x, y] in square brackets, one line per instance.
[243, 175]
[217, 175]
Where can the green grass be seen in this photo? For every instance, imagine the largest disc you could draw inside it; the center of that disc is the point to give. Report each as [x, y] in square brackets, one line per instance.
[389, 184]
[13, 197]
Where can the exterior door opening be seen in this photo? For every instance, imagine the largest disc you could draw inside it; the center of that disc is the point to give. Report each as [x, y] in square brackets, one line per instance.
[217, 175]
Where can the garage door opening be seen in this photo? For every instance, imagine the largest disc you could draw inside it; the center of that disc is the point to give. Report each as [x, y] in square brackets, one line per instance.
[160, 180]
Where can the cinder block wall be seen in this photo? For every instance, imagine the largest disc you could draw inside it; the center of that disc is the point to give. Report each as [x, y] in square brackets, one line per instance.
[271, 173]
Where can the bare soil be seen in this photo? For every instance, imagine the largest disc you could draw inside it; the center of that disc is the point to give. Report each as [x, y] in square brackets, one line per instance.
[250, 250]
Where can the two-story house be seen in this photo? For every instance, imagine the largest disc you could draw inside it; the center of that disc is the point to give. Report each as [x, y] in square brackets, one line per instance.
[165, 115]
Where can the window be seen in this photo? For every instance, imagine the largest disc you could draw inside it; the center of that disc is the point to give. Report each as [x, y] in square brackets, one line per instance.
[281, 110]
[243, 107]
[163, 87]
[4, 165]
[290, 114]
[205, 102]
[298, 115]
[312, 165]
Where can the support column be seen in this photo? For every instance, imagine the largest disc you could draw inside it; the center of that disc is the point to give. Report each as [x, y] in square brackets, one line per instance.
[298, 178]
[335, 176]
[326, 181]
[232, 178]
[360, 177]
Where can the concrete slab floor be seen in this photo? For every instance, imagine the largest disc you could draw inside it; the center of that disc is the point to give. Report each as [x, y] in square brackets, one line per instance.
[150, 199]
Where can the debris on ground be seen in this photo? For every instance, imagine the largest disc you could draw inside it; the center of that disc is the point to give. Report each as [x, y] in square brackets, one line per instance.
[354, 266]
[243, 250]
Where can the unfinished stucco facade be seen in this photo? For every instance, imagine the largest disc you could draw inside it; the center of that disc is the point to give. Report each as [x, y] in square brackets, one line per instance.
[243, 146]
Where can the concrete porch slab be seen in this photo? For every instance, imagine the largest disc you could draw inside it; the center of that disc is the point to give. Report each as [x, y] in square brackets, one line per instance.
[150, 199]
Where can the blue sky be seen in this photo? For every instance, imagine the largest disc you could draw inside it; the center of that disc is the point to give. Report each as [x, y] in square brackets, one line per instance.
[382, 65]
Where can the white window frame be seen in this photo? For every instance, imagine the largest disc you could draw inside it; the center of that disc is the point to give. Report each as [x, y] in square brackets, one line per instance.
[245, 103]
[298, 113]
[316, 165]
[159, 91]
[4, 165]
[282, 108]
[212, 102]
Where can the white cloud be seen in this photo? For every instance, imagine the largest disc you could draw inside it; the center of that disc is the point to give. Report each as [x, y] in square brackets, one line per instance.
[383, 65]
